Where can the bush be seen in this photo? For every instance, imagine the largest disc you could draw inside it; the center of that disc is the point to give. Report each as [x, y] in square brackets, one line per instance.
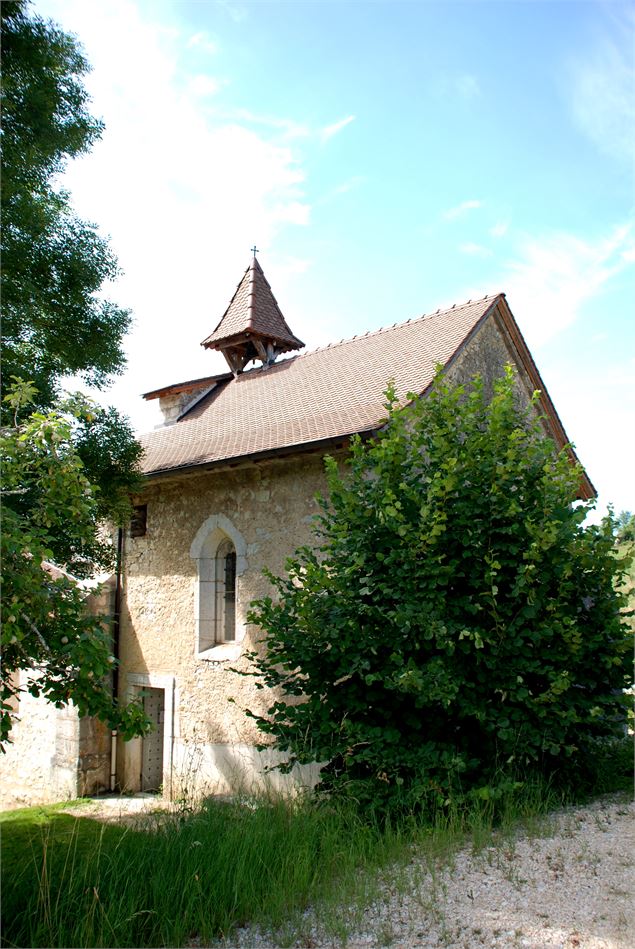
[456, 623]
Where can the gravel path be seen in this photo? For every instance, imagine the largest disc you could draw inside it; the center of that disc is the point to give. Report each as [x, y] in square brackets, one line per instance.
[572, 888]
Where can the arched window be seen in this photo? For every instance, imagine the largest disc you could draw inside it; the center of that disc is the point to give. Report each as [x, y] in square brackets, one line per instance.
[219, 551]
[225, 612]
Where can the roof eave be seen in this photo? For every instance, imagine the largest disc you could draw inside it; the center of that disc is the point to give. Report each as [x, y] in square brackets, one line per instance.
[285, 344]
[302, 448]
[189, 385]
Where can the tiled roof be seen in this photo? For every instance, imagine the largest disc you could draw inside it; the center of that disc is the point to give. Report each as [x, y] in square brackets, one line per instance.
[253, 309]
[323, 394]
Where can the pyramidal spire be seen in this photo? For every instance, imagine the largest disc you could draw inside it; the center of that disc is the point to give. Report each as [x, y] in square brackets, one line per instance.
[252, 326]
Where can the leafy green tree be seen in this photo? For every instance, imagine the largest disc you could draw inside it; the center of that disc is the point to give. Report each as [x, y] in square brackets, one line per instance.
[51, 516]
[456, 622]
[625, 527]
[53, 264]
[68, 466]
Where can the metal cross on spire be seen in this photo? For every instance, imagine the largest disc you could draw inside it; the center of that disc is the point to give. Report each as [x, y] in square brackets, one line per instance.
[255, 250]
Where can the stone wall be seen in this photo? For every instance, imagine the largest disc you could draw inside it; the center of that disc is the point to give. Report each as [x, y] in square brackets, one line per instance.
[271, 506]
[55, 755]
[487, 353]
[37, 766]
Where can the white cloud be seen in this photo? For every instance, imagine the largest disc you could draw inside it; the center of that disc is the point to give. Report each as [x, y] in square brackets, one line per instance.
[499, 229]
[349, 185]
[203, 86]
[330, 130]
[601, 89]
[289, 128]
[596, 410]
[204, 42]
[475, 250]
[183, 193]
[461, 209]
[555, 275]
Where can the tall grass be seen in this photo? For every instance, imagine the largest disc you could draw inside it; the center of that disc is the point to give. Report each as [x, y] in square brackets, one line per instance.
[197, 875]
[74, 882]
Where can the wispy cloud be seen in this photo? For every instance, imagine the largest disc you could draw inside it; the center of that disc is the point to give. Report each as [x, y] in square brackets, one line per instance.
[450, 85]
[234, 11]
[289, 128]
[345, 187]
[467, 86]
[349, 185]
[330, 130]
[601, 88]
[499, 229]
[554, 276]
[461, 209]
[204, 42]
[475, 250]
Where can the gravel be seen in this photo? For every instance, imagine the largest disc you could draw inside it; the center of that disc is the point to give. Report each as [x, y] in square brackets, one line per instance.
[570, 888]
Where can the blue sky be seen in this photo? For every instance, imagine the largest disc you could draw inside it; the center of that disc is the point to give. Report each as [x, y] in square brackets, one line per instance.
[387, 158]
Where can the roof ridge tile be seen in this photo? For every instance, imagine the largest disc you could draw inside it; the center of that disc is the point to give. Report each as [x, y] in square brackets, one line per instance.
[387, 329]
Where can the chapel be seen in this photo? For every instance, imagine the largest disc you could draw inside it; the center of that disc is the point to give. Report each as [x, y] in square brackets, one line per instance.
[230, 484]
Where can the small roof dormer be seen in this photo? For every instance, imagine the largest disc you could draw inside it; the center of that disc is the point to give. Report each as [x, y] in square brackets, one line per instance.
[252, 326]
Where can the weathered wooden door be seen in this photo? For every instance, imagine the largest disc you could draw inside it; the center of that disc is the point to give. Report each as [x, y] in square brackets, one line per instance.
[152, 754]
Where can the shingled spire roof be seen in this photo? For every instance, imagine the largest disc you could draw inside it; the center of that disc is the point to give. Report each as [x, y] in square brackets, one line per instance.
[252, 326]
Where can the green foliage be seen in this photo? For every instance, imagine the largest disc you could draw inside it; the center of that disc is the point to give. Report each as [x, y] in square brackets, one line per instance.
[51, 515]
[69, 465]
[625, 527]
[53, 264]
[456, 622]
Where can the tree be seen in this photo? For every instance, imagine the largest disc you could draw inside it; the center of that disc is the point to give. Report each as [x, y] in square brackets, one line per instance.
[625, 527]
[51, 516]
[53, 263]
[456, 622]
[69, 465]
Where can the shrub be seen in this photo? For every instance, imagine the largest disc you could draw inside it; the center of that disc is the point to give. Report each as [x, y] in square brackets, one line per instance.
[456, 623]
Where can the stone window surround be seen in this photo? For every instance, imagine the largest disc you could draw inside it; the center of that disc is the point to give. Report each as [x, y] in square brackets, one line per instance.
[209, 537]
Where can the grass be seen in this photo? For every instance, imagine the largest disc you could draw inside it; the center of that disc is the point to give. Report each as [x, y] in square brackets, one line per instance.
[70, 881]
[75, 882]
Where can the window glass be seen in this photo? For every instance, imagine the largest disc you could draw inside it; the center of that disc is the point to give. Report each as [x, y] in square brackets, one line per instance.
[225, 612]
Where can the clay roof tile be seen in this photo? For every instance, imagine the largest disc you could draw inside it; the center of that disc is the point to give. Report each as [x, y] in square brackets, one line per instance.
[327, 393]
[253, 309]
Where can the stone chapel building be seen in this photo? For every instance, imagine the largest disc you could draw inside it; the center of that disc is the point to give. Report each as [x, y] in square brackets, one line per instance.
[230, 484]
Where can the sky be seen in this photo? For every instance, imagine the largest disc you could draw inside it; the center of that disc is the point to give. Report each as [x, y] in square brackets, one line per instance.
[387, 159]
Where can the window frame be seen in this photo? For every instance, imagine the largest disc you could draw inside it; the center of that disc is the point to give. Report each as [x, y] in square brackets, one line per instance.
[217, 539]
[139, 520]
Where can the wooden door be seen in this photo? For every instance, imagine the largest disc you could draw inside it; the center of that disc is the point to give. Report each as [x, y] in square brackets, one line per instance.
[152, 753]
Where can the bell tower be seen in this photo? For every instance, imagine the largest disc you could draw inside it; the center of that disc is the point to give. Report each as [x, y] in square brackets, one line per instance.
[252, 326]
